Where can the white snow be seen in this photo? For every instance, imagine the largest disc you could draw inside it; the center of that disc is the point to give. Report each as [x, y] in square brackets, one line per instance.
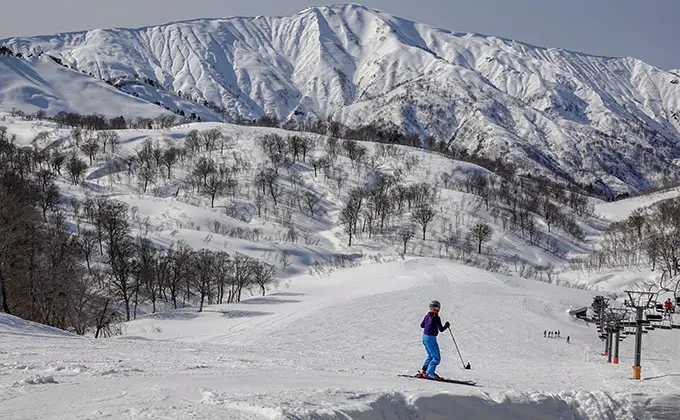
[39, 83]
[614, 121]
[331, 347]
[616, 211]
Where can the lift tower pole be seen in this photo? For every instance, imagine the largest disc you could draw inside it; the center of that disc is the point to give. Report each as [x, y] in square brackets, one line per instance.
[641, 301]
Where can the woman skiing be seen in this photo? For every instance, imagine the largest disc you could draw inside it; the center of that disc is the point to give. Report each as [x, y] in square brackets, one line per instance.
[432, 325]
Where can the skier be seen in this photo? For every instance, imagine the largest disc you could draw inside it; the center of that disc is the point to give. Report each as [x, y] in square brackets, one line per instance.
[568, 339]
[432, 325]
[558, 333]
[668, 305]
[545, 333]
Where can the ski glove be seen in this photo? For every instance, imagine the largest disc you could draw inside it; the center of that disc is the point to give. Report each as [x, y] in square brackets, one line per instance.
[447, 325]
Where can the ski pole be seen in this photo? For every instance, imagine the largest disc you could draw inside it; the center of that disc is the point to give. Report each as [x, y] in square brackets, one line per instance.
[459, 355]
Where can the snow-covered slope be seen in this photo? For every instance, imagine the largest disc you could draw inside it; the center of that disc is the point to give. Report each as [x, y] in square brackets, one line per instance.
[39, 83]
[331, 348]
[613, 122]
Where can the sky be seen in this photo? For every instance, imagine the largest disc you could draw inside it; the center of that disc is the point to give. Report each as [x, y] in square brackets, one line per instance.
[645, 29]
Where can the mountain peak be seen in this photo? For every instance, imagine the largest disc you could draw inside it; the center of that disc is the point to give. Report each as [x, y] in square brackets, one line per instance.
[555, 112]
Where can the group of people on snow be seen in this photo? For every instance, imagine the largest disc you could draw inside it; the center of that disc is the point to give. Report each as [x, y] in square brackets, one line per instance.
[554, 334]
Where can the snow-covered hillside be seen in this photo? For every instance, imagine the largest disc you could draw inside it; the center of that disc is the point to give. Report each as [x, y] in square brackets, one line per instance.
[170, 210]
[612, 122]
[331, 334]
[39, 83]
[332, 347]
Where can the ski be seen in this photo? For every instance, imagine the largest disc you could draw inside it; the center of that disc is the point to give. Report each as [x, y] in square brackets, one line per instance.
[451, 381]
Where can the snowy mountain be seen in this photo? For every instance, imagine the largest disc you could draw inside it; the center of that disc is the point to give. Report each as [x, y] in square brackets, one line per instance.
[612, 122]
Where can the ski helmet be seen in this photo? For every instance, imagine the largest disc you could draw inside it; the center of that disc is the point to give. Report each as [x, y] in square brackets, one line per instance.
[435, 305]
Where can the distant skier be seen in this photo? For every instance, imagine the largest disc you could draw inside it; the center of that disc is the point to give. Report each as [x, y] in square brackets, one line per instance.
[558, 333]
[432, 326]
[545, 333]
[568, 338]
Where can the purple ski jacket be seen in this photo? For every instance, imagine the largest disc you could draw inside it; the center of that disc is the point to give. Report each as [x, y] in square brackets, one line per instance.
[432, 325]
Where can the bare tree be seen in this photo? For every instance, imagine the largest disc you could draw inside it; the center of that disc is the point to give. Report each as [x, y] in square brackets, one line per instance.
[169, 158]
[90, 148]
[146, 175]
[319, 163]
[203, 268]
[213, 187]
[424, 215]
[180, 256]
[121, 272]
[87, 243]
[480, 233]
[146, 270]
[57, 161]
[263, 275]
[210, 138]
[48, 192]
[242, 268]
[349, 217]
[406, 233]
[76, 169]
[311, 200]
[203, 168]
[193, 141]
[110, 137]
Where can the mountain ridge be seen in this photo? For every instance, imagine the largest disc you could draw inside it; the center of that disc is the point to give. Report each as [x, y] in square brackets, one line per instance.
[613, 123]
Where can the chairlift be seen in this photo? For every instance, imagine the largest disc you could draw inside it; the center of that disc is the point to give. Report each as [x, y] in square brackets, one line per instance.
[654, 317]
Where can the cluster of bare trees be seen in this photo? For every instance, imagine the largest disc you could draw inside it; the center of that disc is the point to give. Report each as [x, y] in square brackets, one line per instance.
[207, 176]
[646, 237]
[79, 279]
[42, 277]
[153, 160]
[375, 208]
[135, 270]
[517, 204]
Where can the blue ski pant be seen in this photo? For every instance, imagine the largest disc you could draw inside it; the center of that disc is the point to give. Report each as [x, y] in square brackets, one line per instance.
[433, 355]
